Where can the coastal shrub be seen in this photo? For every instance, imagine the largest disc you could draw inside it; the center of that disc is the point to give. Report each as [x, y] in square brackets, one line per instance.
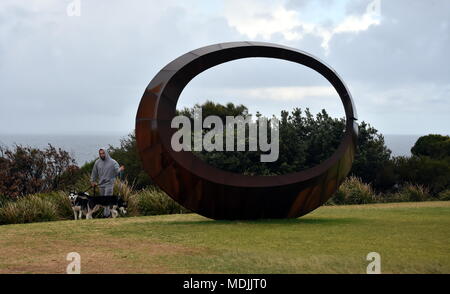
[423, 170]
[444, 195]
[26, 170]
[3, 200]
[61, 201]
[409, 193]
[153, 201]
[27, 210]
[123, 189]
[354, 191]
[415, 192]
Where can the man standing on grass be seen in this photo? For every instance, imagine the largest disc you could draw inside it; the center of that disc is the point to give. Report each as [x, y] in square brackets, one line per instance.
[105, 169]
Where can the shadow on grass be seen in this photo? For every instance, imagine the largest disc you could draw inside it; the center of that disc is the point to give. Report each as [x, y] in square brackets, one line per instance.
[265, 222]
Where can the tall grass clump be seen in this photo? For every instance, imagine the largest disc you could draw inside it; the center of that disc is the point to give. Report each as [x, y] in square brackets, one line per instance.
[153, 201]
[353, 191]
[444, 195]
[61, 201]
[28, 209]
[410, 192]
[3, 200]
[123, 189]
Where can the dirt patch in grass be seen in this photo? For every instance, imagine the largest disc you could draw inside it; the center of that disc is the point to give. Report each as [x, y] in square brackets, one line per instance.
[99, 254]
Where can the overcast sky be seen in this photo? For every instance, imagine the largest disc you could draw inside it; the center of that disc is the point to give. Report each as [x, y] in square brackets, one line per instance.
[87, 73]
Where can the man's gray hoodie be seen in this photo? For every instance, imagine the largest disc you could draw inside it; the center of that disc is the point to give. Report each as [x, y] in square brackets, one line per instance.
[105, 170]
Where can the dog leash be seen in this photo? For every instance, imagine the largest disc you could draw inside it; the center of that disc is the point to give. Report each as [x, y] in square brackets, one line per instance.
[88, 189]
[91, 188]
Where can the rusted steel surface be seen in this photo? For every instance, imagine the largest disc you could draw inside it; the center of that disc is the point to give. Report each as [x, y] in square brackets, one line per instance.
[219, 194]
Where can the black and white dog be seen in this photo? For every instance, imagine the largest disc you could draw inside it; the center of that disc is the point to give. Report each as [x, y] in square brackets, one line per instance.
[115, 204]
[82, 203]
[79, 202]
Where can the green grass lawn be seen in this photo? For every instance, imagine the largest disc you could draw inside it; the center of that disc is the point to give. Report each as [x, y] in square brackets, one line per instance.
[410, 237]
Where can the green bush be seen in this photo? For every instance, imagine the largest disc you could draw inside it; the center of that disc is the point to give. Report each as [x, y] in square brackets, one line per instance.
[3, 200]
[410, 192]
[395, 197]
[27, 210]
[61, 201]
[416, 192]
[353, 191]
[433, 145]
[123, 189]
[153, 201]
[444, 195]
[423, 170]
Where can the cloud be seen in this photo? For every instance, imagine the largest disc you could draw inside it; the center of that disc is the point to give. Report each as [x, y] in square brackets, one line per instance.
[265, 85]
[405, 48]
[88, 73]
[262, 19]
[393, 68]
[279, 94]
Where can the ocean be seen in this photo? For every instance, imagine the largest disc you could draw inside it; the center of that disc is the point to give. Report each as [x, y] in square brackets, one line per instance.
[400, 145]
[84, 148]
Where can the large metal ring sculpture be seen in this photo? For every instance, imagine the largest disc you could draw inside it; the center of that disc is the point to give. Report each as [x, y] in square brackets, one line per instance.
[219, 194]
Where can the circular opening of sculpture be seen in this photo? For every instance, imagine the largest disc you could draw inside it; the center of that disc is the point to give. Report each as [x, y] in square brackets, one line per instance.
[227, 106]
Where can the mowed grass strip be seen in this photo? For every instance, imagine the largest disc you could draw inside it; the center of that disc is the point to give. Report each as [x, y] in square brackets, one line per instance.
[410, 237]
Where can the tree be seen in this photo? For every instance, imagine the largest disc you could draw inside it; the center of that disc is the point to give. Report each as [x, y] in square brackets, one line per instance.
[424, 170]
[434, 146]
[306, 140]
[429, 165]
[27, 170]
[210, 108]
[372, 157]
